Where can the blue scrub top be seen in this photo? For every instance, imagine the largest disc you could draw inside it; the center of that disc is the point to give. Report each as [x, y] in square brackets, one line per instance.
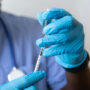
[24, 32]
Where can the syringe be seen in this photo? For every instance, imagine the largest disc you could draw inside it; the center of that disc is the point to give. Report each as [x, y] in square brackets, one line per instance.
[40, 54]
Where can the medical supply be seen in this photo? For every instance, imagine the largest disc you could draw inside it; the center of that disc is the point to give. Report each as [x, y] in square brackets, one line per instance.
[14, 74]
[25, 82]
[40, 54]
[64, 38]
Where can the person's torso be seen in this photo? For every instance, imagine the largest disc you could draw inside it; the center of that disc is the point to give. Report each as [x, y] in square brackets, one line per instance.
[23, 36]
[24, 32]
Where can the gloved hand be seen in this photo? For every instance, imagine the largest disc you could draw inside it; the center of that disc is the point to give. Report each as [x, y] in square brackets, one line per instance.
[64, 38]
[25, 82]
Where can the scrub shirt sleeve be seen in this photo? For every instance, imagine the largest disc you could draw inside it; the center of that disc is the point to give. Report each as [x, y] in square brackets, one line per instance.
[56, 76]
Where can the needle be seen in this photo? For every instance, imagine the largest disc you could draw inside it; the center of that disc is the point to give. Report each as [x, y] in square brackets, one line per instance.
[40, 54]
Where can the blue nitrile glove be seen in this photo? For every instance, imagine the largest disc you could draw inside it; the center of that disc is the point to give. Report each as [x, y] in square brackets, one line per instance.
[25, 82]
[64, 38]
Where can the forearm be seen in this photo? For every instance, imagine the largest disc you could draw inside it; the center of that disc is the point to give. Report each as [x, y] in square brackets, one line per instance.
[78, 80]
